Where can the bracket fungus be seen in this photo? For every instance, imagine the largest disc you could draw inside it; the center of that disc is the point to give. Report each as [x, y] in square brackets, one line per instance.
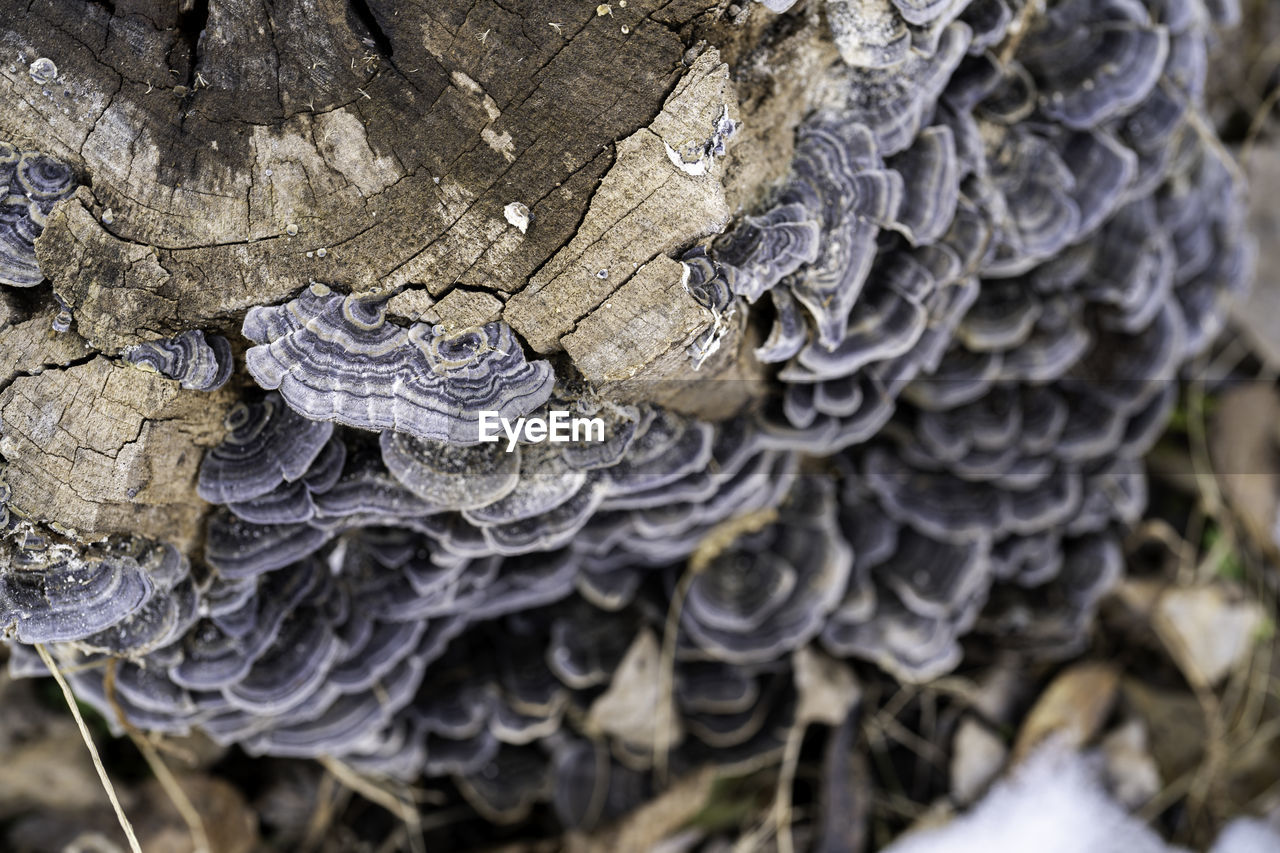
[31, 183]
[198, 361]
[337, 358]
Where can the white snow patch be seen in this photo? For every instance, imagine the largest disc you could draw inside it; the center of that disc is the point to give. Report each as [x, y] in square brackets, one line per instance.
[1054, 803]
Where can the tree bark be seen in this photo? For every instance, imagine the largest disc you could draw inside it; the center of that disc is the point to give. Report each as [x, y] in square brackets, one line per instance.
[231, 151]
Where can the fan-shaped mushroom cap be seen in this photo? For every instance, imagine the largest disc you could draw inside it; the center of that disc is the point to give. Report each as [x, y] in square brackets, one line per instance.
[238, 548]
[31, 183]
[49, 595]
[869, 33]
[911, 647]
[988, 20]
[336, 358]
[763, 250]
[196, 361]
[930, 171]
[770, 591]
[505, 787]
[895, 102]
[789, 332]
[1094, 59]
[448, 476]
[267, 444]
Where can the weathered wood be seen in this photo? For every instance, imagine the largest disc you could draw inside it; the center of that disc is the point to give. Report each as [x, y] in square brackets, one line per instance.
[103, 448]
[232, 153]
[648, 205]
[392, 153]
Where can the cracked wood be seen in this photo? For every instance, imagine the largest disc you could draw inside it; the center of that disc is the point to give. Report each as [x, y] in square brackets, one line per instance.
[236, 140]
[394, 151]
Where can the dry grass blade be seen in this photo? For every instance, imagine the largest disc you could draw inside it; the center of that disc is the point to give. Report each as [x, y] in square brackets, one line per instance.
[1018, 30]
[782, 804]
[667, 675]
[1255, 126]
[374, 793]
[93, 750]
[656, 821]
[331, 798]
[186, 809]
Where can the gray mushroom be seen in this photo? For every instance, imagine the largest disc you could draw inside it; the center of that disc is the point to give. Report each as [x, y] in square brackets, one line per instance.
[505, 788]
[789, 332]
[31, 183]
[238, 548]
[291, 501]
[267, 443]
[196, 361]
[869, 34]
[590, 788]
[1092, 66]
[291, 669]
[895, 102]
[213, 657]
[921, 12]
[165, 617]
[931, 180]
[763, 250]
[336, 358]
[366, 493]
[838, 175]
[771, 591]
[450, 477]
[988, 20]
[985, 272]
[670, 447]
[48, 595]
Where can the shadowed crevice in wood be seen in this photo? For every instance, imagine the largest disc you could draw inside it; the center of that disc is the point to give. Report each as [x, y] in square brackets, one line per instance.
[365, 15]
[193, 17]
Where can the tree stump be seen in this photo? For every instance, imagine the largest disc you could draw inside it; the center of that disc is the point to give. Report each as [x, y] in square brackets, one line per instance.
[539, 163]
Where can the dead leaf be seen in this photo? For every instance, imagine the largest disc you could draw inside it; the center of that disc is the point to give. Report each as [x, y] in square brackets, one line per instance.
[92, 842]
[643, 829]
[827, 688]
[1073, 708]
[1242, 446]
[1132, 774]
[231, 825]
[977, 755]
[1174, 722]
[1208, 631]
[632, 707]
[53, 772]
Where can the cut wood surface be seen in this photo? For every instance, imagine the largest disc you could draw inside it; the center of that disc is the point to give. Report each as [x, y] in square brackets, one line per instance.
[230, 152]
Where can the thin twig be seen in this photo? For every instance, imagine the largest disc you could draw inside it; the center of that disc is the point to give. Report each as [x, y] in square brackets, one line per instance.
[1255, 126]
[186, 809]
[93, 750]
[331, 798]
[375, 794]
[716, 541]
[1019, 29]
[786, 781]
[667, 676]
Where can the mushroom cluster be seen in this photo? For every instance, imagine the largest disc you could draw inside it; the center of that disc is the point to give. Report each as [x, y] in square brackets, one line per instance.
[993, 254]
